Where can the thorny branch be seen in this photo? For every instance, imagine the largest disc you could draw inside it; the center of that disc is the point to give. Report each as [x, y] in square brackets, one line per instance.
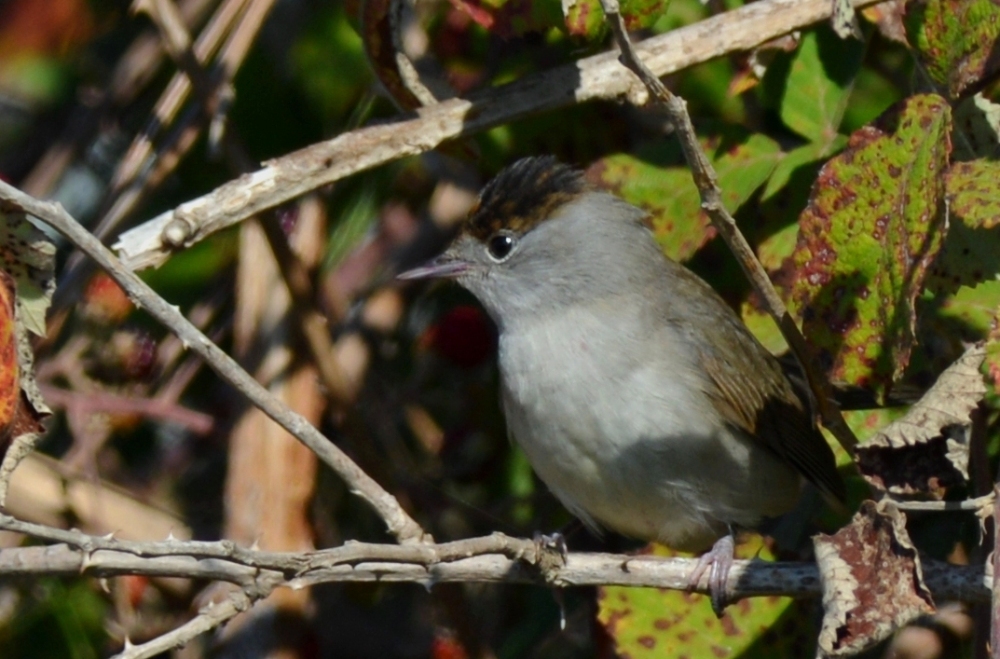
[209, 617]
[707, 182]
[495, 558]
[399, 523]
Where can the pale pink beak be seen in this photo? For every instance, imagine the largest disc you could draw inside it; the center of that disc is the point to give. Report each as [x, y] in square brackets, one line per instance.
[444, 266]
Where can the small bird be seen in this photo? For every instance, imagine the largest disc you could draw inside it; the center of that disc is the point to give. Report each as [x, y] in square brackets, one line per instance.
[637, 394]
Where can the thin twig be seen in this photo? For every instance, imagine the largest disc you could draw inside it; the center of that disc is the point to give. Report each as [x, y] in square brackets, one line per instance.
[979, 426]
[974, 505]
[399, 523]
[177, 42]
[127, 190]
[707, 182]
[97, 402]
[211, 616]
[174, 96]
[597, 77]
[185, 133]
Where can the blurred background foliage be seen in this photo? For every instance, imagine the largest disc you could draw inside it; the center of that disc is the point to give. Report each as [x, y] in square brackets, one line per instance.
[75, 90]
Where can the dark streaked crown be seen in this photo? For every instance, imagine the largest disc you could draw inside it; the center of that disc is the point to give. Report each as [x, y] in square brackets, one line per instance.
[523, 195]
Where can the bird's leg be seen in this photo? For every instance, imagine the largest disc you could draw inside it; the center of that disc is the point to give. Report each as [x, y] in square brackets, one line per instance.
[720, 559]
[550, 554]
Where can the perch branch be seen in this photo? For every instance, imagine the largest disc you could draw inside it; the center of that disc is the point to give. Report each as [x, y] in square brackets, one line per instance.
[496, 558]
[488, 559]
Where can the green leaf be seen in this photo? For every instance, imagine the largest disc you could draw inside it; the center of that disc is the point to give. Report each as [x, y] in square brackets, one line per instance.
[800, 157]
[585, 18]
[639, 14]
[973, 193]
[871, 230]
[762, 326]
[969, 255]
[973, 309]
[873, 94]
[329, 63]
[654, 180]
[649, 622]
[955, 40]
[819, 83]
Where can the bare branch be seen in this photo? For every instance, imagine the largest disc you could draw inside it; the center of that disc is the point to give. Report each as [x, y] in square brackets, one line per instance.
[975, 504]
[166, 109]
[489, 559]
[399, 523]
[97, 402]
[211, 616]
[994, 558]
[432, 564]
[597, 77]
[707, 182]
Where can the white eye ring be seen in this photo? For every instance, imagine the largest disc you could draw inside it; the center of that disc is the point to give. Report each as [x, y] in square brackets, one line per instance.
[500, 246]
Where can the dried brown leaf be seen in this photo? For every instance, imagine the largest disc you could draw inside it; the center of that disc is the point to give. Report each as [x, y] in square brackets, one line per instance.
[888, 18]
[872, 580]
[927, 449]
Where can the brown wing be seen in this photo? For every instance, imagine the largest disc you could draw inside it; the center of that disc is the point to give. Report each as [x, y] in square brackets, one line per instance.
[765, 406]
[749, 389]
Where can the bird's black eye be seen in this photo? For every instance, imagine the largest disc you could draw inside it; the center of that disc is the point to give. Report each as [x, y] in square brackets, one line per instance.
[499, 246]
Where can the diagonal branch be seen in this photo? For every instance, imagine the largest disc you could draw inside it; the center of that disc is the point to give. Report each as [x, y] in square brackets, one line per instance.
[707, 182]
[209, 617]
[399, 523]
[597, 77]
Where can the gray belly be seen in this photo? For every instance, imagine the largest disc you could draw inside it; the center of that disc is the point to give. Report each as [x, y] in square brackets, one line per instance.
[638, 448]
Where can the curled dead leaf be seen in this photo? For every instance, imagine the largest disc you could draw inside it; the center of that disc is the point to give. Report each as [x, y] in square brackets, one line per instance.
[872, 580]
[27, 261]
[927, 450]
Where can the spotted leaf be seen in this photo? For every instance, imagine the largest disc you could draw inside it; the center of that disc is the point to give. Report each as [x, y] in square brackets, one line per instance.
[873, 226]
[649, 622]
[956, 40]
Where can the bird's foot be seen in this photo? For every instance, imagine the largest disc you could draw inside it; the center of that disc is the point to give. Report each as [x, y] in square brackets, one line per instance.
[718, 560]
[550, 554]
